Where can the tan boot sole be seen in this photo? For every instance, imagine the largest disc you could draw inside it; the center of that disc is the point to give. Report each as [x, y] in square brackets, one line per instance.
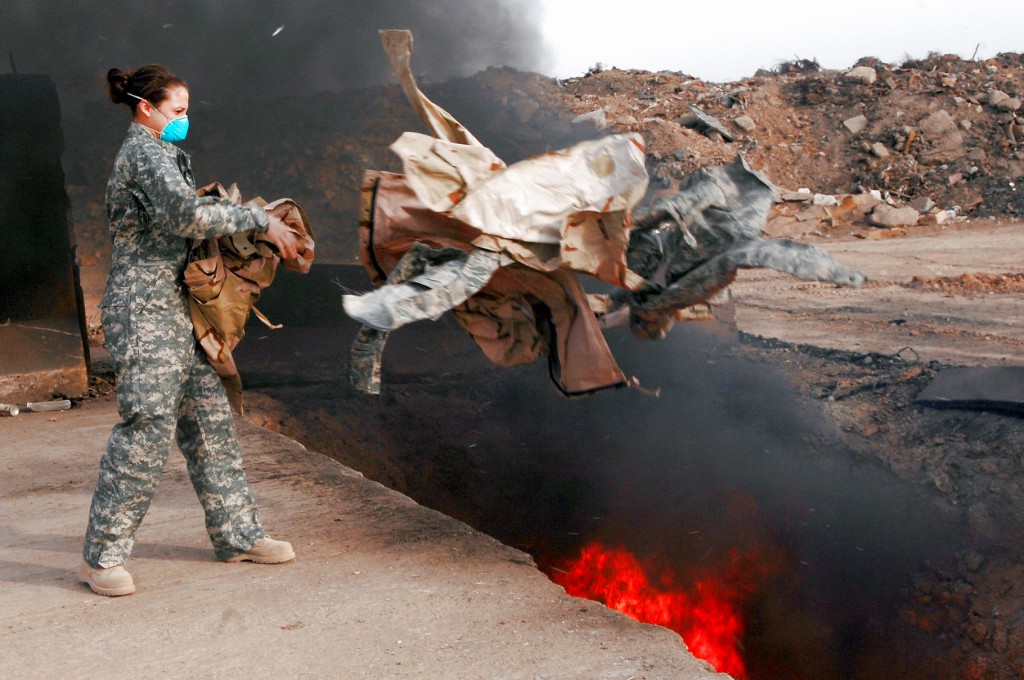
[243, 557]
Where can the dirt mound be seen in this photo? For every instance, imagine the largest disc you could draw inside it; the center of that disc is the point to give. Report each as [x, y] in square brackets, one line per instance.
[972, 283]
[943, 130]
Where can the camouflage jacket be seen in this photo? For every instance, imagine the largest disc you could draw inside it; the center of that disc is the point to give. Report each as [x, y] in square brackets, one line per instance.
[154, 210]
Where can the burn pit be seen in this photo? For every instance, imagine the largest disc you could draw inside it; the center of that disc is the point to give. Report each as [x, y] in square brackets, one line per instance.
[729, 461]
[726, 492]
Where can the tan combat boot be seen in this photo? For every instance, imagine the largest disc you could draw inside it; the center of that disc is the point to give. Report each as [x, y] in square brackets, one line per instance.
[112, 582]
[266, 551]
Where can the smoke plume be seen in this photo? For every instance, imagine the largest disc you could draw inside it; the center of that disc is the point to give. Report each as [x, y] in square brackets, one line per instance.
[262, 49]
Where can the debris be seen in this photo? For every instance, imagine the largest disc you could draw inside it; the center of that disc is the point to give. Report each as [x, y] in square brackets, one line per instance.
[1009, 105]
[824, 199]
[856, 124]
[41, 406]
[9, 410]
[879, 151]
[745, 123]
[938, 217]
[853, 206]
[705, 124]
[922, 204]
[277, 30]
[943, 141]
[885, 215]
[864, 75]
[803, 195]
[995, 97]
[998, 388]
[881, 234]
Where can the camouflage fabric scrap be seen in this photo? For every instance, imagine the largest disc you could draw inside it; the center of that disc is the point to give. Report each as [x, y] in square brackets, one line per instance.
[690, 246]
[428, 283]
[424, 284]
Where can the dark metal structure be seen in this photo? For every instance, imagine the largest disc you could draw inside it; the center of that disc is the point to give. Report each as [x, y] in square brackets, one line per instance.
[43, 340]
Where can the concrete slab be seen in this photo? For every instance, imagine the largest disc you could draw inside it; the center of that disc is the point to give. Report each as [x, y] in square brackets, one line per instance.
[382, 587]
[42, 358]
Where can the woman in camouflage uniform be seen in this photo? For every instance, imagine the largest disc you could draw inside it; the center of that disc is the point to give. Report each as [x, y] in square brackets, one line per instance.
[165, 385]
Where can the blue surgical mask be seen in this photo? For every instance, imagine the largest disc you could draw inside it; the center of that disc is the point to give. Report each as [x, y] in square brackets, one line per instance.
[175, 131]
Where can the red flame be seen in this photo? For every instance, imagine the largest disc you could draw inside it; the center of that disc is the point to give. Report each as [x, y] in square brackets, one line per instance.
[706, 615]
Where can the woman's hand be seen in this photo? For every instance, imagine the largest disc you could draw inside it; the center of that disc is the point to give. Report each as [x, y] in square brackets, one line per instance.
[283, 238]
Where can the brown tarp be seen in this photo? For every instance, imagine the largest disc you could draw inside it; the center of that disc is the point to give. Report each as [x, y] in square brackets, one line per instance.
[503, 317]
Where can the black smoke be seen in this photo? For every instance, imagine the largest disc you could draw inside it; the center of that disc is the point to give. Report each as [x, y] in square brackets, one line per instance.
[228, 50]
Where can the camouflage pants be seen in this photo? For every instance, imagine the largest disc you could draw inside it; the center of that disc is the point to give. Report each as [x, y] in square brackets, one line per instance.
[165, 387]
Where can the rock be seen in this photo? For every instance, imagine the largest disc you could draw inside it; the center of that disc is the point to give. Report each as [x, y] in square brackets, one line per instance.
[816, 213]
[795, 195]
[922, 204]
[781, 226]
[978, 631]
[879, 234]
[856, 124]
[942, 139]
[864, 75]
[973, 561]
[937, 123]
[1001, 640]
[879, 151]
[745, 123]
[977, 155]
[996, 96]
[1011, 104]
[937, 218]
[524, 109]
[854, 207]
[599, 119]
[979, 521]
[966, 124]
[944, 483]
[885, 215]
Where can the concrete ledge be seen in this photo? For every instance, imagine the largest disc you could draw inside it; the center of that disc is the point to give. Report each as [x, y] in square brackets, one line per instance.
[41, 358]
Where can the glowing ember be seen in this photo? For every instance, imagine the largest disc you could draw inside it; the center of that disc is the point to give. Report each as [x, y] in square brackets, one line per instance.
[706, 615]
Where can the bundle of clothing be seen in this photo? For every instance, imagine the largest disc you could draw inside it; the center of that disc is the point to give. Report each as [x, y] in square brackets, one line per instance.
[501, 246]
[225, 276]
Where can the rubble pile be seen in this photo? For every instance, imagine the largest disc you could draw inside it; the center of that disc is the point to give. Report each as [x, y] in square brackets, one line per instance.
[937, 135]
[880, 147]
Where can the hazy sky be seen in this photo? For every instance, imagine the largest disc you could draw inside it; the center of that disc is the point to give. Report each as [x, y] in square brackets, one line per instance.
[730, 39]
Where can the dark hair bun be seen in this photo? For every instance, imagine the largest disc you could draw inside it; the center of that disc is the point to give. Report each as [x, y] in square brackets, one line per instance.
[117, 80]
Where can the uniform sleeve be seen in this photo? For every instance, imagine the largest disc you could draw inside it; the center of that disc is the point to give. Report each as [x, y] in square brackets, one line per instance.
[174, 208]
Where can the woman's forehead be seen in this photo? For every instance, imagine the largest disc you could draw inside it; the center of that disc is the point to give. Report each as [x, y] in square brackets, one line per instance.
[177, 96]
